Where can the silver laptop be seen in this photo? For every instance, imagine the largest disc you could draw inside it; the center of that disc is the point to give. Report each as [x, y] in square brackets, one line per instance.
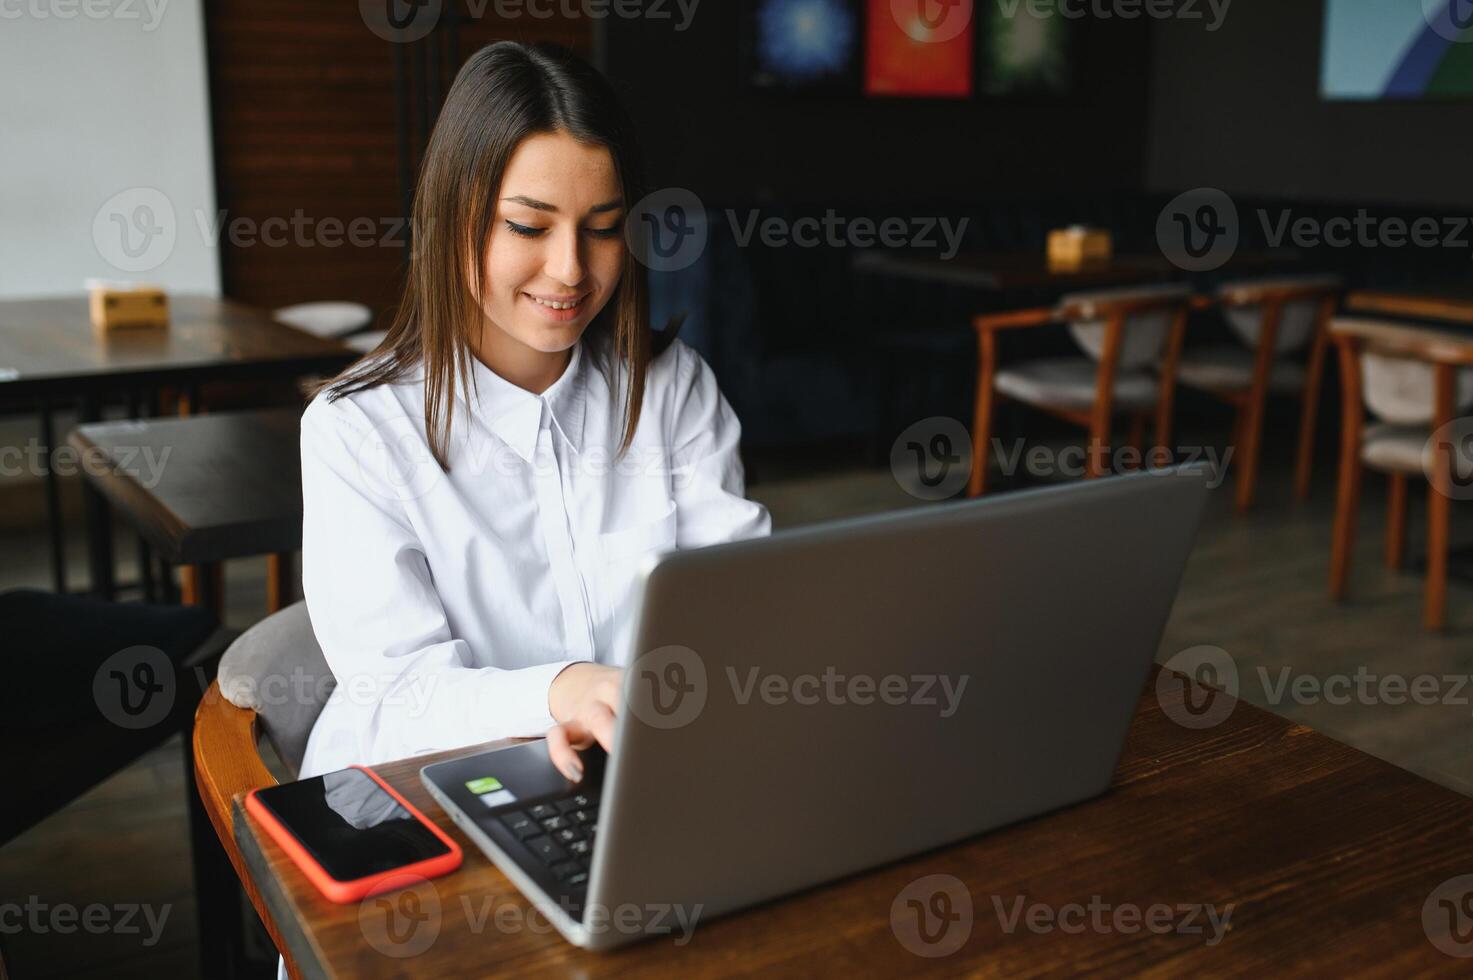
[809, 705]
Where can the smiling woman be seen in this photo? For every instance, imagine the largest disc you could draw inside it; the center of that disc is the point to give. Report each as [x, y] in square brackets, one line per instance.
[491, 574]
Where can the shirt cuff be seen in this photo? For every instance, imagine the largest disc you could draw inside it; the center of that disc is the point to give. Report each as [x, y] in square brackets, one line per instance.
[513, 703]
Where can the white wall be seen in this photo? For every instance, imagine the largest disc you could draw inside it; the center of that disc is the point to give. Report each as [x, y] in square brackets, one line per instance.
[103, 97]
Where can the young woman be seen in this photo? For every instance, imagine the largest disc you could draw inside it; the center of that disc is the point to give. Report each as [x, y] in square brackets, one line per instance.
[480, 491]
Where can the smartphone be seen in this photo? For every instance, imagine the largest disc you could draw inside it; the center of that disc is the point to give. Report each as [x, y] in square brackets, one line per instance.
[351, 833]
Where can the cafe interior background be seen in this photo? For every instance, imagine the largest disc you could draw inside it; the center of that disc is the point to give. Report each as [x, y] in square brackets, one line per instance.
[853, 191]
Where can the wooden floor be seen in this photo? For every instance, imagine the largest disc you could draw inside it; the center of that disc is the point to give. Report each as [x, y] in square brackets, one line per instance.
[1255, 587]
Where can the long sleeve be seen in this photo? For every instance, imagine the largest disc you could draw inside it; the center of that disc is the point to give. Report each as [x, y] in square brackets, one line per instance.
[706, 465]
[377, 615]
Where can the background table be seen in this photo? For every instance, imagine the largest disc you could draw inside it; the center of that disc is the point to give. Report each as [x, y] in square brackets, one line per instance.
[50, 356]
[1327, 855]
[229, 485]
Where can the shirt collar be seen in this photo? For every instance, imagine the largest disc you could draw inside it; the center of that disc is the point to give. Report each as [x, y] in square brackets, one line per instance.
[515, 414]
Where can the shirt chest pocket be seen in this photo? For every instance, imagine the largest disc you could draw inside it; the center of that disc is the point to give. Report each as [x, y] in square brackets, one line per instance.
[646, 537]
[611, 571]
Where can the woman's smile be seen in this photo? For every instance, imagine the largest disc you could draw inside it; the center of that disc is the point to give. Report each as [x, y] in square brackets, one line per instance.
[558, 308]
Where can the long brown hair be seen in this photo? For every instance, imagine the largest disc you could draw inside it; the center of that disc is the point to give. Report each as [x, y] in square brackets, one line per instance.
[504, 93]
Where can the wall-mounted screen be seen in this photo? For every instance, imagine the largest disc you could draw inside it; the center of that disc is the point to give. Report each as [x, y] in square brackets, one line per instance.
[1397, 49]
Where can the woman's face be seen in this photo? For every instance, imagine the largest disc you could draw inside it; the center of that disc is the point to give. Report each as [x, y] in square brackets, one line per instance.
[556, 239]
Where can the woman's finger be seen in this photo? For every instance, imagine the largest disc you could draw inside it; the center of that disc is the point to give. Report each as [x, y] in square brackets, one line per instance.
[562, 740]
[598, 718]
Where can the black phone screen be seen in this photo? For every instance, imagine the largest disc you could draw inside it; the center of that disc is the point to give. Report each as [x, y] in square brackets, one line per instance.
[349, 824]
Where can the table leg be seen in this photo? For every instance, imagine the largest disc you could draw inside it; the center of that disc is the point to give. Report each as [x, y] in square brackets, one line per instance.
[99, 528]
[279, 592]
[54, 530]
[169, 584]
[204, 586]
[145, 570]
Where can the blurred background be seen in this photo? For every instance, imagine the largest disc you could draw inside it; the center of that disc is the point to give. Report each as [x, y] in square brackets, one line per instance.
[1069, 236]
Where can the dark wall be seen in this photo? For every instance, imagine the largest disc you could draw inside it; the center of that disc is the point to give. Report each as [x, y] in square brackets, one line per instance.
[1239, 109]
[704, 130]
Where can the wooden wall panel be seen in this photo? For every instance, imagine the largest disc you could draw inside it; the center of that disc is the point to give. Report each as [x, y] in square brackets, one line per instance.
[305, 123]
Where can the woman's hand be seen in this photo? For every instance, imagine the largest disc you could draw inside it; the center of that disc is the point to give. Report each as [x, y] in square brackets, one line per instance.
[584, 699]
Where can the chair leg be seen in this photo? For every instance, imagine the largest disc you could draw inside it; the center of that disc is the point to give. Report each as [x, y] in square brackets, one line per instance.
[1396, 520]
[1138, 435]
[1257, 401]
[1347, 501]
[1304, 459]
[1098, 451]
[1249, 446]
[1347, 492]
[1439, 509]
[1439, 500]
[982, 413]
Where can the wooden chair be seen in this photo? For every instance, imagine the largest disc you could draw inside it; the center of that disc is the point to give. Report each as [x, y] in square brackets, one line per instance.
[1132, 339]
[1416, 381]
[1272, 318]
[234, 719]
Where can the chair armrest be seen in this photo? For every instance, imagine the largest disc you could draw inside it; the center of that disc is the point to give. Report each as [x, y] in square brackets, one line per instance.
[226, 760]
[1013, 319]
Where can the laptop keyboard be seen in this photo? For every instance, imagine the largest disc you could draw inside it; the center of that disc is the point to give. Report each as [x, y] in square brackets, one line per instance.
[559, 833]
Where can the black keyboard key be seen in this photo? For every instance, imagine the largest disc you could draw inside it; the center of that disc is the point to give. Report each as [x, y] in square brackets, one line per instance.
[567, 835]
[554, 823]
[521, 825]
[585, 800]
[564, 870]
[580, 848]
[542, 811]
[563, 806]
[576, 880]
[546, 848]
[583, 816]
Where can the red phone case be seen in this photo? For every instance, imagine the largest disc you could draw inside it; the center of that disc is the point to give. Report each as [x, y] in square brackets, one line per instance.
[344, 892]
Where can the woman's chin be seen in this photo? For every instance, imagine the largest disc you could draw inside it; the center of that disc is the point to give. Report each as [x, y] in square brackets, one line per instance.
[552, 338]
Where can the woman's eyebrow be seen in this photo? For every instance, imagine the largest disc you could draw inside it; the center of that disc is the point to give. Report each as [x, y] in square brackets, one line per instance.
[614, 205]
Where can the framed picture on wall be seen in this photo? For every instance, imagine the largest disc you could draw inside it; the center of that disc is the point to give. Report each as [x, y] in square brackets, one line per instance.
[906, 49]
[799, 46]
[920, 48]
[1025, 50]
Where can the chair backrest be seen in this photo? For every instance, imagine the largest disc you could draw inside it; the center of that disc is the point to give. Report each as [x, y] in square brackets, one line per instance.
[1302, 298]
[1399, 389]
[1145, 331]
[277, 670]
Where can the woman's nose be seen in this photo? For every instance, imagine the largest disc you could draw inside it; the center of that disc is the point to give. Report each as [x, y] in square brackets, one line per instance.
[565, 264]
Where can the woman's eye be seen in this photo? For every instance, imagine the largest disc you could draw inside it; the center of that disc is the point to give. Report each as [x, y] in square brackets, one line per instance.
[611, 232]
[523, 230]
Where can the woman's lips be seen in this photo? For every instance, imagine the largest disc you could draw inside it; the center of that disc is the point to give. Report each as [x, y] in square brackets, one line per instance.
[540, 304]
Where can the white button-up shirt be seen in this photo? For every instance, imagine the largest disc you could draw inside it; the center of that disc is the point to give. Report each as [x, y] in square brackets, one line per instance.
[445, 603]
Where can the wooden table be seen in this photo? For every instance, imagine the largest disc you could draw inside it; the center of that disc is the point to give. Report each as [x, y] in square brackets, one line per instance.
[1326, 855]
[1015, 270]
[1019, 271]
[49, 354]
[204, 489]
